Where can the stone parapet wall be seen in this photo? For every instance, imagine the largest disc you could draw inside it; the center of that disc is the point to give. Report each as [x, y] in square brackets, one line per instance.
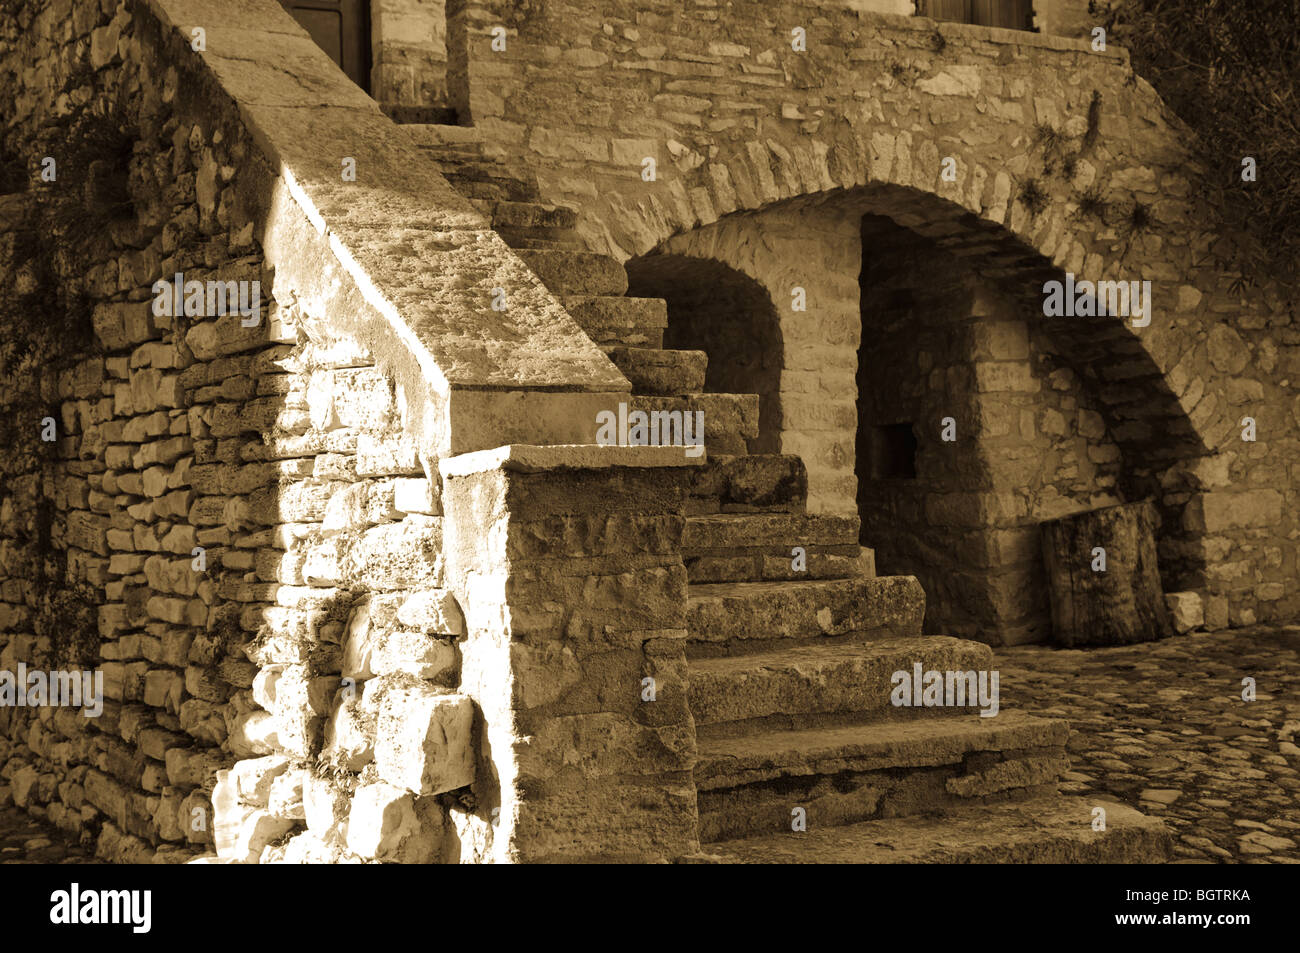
[569, 564]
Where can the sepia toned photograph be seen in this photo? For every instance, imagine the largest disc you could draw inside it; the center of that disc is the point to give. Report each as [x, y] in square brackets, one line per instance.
[649, 432]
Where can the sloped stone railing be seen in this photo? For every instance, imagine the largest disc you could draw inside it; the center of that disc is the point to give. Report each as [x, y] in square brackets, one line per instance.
[397, 257]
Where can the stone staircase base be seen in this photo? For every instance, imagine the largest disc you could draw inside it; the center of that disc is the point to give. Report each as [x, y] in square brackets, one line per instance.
[1047, 830]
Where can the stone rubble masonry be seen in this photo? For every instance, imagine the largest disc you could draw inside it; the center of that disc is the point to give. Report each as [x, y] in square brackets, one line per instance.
[409, 52]
[570, 564]
[396, 258]
[739, 123]
[295, 459]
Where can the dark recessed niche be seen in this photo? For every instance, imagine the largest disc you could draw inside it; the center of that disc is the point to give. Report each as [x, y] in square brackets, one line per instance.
[892, 452]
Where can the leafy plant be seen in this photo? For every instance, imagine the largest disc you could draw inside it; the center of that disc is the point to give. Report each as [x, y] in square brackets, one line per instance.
[1033, 196]
[1139, 218]
[1231, 71]
[1093, 204]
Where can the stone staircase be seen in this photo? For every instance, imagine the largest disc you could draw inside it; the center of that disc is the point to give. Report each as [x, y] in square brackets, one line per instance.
[791, 665]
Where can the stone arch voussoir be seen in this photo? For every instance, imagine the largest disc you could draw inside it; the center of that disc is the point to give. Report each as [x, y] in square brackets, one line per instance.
[979, 216]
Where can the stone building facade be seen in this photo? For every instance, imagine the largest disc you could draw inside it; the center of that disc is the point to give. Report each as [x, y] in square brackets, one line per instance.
[362, 582]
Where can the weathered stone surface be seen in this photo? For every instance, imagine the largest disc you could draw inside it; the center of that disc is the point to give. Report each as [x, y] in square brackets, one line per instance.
[391, 825]
[229, 491]
[1186, 609]
[422, 742]
[996, 834]
[821, 679]
[763, 611]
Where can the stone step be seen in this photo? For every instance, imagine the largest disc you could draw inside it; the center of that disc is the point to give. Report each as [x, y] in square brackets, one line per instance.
[807, 686]
[609, 320]
[520, 242]
[532, 215]
[576, 272]
[751, 547]
[814, 564]
[751, 483]
[445, 136]
[730, 420]
[540, 238]
[661, 373]
[420, 115]
[534, 224]
[480, 182]
[781, 531]
[748, 785]
[738, 617]
[1053, 829]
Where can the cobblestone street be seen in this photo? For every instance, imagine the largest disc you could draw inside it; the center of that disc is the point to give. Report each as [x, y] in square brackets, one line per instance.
[1163, 728]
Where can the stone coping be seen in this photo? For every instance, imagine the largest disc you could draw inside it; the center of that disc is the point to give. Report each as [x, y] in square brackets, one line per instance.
[530, 458]
[971, 32]
[418, 253]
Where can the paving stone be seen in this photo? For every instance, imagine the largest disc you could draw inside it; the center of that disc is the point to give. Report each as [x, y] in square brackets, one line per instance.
[1216, 769]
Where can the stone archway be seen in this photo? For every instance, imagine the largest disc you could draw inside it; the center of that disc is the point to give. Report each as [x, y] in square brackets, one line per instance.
[1051, 416]
[724, 312]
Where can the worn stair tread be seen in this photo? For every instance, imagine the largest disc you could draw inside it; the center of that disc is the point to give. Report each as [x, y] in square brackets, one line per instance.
[742, 530]
[769, 480]
[736, 612]
[532, 215]
[524, 242]
[617, 311]
[660, 372]
[730, 420]
[809, 659]
[438, 134]
[806, 683]
[1041, 830]
[571, 271]
[420, 115]
[728, 762]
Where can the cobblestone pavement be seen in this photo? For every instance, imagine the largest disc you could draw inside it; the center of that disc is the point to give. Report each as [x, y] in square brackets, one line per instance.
[1163, 727]
[26, 840]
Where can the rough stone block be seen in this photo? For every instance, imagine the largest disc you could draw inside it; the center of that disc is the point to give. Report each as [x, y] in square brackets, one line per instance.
[422, 742]
[393, 826]
[1186, 609]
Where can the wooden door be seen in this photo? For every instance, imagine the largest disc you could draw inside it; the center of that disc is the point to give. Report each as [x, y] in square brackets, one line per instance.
[342, 29]
[1008, 14]
[958, 11]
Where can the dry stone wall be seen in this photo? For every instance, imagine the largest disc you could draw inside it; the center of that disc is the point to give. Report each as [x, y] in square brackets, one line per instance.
[238, 525]
[261, 539]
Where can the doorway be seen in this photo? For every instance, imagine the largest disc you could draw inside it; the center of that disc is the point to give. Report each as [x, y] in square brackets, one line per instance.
[1008, 14]
[342, 29]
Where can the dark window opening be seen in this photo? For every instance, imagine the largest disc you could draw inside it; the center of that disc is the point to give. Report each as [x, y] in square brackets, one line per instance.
[1008, 14]
[342, 29]
[891, 452]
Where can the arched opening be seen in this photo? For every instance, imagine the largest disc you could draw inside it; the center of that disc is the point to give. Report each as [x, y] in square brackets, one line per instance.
[976, 424]
[716, 309]
[928, 394]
